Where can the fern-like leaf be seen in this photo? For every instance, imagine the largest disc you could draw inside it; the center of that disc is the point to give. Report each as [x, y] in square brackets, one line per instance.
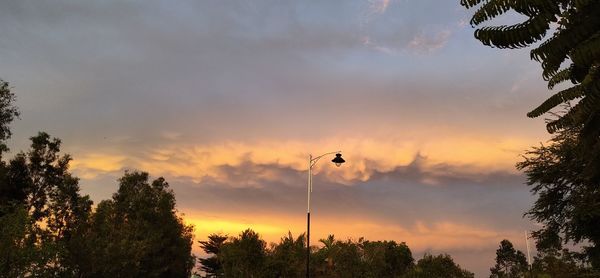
[580, 113]
[490, 10]
[515, 36]
[559, 77]
[576, 38]
[558, 98]
[470, 3]
[555, 50]
[587, 51]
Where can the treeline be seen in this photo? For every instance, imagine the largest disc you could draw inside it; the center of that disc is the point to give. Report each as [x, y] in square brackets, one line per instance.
[547, 263]
[247, 255]
[563, 173]
[49, 229]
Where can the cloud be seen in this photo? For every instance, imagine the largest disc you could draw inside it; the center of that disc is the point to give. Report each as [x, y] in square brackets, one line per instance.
[392, 28]
[91, 165]
[420, 189]
[428, 44]
[221, 162]
[378, 6]
[201, 72]
[461, 214]
[276, 188]
[226, 99]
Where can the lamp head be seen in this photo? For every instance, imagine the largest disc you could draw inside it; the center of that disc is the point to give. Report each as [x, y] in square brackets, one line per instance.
[338, 160]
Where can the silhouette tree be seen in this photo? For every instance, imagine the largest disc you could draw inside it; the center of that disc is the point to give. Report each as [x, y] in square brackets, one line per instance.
[386, 258]
[247, 256]
[41, 211]
[565, 174]
[348, 261]
[287, 259]
[575, 41]
[325, 256]
[49, 212]
[560, 263]
[8, 112]
[440, 266]
[212, 265]
[9, 193]
[18, 253]
[362, 258]
[244, 255]
[138, 233]
[567, 204]
[510, 263]
[47, 229]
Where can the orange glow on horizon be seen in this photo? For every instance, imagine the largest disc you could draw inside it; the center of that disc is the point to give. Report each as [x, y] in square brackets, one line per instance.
[419, 236]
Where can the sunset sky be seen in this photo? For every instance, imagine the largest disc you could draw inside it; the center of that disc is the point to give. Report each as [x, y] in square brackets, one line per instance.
[226, 99]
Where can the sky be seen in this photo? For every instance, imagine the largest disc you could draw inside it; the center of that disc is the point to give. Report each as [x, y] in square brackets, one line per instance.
[226, 100]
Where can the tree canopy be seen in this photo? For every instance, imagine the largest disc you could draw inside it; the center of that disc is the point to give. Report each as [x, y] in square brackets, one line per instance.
[212, 265]
[565, 173]
[442, 266]
[139, 228]
[247, 255]
[567, 204]
[49, 229]
[510, 263]
[8, 113]
[570, 53]
[548, 263]
[43, 212]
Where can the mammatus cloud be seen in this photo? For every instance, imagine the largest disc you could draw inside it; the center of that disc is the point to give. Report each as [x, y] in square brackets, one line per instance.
[365, 157]
[441, 202]
[457, 194]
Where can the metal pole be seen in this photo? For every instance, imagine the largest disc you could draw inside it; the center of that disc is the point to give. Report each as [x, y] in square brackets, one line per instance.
[308, 189]
[528, 254]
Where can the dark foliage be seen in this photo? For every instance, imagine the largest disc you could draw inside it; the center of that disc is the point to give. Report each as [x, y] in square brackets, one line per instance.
[48, 229]
[566, 173]
[247, 255]
[41, 202]
[140, 230]
[510, 263]
[212, 265]
[8, 112]
[575, 41]
[568, 205]
[441, 266]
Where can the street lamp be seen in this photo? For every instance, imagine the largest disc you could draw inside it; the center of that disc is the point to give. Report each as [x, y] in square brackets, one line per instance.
[338, 160]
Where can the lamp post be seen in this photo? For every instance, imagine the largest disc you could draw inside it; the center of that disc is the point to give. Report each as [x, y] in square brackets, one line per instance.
[338, 160]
